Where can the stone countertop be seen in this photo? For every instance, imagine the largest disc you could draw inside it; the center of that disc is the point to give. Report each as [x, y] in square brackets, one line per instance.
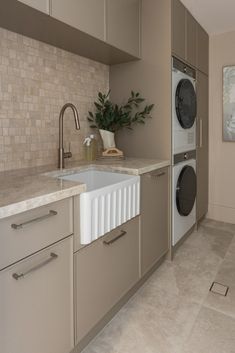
[26, 189]
[133, 166]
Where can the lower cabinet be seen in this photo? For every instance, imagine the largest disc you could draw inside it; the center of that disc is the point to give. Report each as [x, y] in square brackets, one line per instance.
[154, 217]
[104, 271]
[36, 302]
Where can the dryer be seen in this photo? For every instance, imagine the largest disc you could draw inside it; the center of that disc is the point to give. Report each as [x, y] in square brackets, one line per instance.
[184, 107]
[184, 187]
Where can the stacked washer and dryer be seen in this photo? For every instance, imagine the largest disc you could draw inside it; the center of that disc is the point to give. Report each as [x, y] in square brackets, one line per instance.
[184, 181]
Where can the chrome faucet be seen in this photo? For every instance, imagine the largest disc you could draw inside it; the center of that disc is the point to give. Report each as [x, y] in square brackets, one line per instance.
[62, 155]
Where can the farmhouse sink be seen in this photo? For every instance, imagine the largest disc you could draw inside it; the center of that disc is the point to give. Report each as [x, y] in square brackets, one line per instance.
[111, 199]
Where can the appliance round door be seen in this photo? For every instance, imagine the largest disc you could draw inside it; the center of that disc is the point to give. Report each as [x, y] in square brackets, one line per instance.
[186, 190]
[186, 103]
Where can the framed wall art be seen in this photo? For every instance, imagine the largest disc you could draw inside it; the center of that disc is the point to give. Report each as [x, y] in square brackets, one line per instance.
[229, 103]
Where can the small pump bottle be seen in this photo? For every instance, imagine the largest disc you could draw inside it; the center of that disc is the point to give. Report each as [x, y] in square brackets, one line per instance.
[93, 147]
[90, 148]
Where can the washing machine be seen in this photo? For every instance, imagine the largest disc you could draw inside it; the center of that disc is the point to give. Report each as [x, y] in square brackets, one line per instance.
[184, 107]
[184, 188]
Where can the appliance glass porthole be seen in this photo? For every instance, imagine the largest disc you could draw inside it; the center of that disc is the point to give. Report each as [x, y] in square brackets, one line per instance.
[186, 189]
[186, 103]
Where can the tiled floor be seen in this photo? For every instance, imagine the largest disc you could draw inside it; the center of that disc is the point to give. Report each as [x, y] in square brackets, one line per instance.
[174, 312]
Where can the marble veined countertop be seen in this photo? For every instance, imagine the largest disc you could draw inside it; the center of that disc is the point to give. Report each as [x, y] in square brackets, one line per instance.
[25, 189]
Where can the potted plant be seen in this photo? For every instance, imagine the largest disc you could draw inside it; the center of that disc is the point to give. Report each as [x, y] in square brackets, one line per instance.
[109, 117]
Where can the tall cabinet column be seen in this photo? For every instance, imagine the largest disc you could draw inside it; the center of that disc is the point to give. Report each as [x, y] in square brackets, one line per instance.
[202, 145]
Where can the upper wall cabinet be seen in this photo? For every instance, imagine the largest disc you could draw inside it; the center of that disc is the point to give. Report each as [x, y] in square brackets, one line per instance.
[202, 50]
[123, 25]
[191, 39]
[184, 33]
[41, 5]
[107, 31]
[178, 29]
[85, 15]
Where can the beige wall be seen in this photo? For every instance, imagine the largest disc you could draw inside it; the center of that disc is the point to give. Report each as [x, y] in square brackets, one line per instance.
[36, 79]
[222, 154]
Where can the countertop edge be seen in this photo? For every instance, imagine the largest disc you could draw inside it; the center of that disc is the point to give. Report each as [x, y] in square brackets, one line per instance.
[112, 168]
[38, 201]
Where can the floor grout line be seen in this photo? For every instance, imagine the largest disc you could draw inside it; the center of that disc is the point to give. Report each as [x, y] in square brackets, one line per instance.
[208, 306]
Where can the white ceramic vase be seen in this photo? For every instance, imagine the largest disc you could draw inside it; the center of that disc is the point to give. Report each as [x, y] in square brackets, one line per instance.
[108, 139]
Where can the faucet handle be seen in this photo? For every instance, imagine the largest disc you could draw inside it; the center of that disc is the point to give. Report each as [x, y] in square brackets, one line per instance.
[69, 153]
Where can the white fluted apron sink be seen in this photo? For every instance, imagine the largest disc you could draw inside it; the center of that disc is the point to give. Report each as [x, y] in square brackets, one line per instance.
[111, 199]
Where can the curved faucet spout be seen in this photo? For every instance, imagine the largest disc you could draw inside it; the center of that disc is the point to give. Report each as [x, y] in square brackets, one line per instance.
[62, 154]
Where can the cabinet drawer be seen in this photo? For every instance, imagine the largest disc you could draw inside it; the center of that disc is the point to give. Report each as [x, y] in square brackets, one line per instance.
[23, 234]
[36, 309]
[104, 272]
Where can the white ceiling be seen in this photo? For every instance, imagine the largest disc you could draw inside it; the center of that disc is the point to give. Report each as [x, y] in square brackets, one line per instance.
[216, 16]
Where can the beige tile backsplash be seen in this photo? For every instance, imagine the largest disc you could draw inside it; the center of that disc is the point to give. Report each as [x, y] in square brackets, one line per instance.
[36, 79]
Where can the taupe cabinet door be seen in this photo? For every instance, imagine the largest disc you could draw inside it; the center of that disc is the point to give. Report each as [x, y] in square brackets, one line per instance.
[36, 310]
[190, 42]
[104, 272]
[123, 25]
[41, 5]
[191, 39]
[85, 15]
[202, 50]
[154, 217]
[202, 145]
[178, 29]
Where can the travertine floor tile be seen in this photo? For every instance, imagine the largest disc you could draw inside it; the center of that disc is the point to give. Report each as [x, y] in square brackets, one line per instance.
[141, 326]
[219, 225]
[213, 332]
[191, 281]
[174, 311]
[209, 239]
[226, 272]
[230, 255]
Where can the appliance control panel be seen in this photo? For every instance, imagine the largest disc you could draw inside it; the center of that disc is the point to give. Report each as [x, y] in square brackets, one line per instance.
[184, 156]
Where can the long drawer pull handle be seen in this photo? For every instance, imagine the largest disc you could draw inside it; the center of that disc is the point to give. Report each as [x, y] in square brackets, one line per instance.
[19, 226]
[111, 241]
[157, 175]
[201, 133]
[52, 257]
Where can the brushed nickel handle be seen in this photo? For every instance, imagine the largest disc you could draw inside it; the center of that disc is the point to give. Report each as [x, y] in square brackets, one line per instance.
[21, 225]
[201, 133]
[18, 276]
[158, 175]
[68, 155]
[111, 241]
